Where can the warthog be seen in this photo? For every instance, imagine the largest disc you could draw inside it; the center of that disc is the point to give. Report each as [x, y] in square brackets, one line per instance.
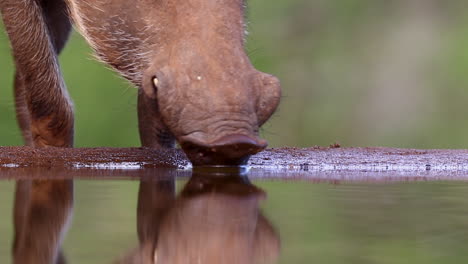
[196, 83]
[196, 86]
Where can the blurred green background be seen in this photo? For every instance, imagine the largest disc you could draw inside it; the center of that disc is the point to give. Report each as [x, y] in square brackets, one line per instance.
[357, 72]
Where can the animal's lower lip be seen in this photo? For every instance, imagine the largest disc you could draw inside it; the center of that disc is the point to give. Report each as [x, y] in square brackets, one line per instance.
[232, 149]
[234, 142]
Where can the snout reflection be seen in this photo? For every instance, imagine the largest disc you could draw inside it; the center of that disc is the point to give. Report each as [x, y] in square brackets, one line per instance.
[215, 218]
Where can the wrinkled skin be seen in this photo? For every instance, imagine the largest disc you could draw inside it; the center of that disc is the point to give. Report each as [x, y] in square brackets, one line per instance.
[208, 95]
[196, 83]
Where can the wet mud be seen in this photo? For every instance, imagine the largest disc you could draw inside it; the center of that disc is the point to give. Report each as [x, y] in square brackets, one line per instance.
[317, 163]
[21, 157]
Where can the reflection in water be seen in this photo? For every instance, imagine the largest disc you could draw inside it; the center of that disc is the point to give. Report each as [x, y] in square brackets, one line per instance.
[42, 210]
[215, 219]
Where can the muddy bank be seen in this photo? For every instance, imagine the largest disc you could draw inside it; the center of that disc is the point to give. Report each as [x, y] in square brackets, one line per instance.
[290, 159]
[125, 158]
[363, 159]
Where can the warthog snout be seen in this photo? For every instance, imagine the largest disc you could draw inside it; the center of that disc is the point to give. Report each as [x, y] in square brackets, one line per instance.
[214, 109]
[233, 149]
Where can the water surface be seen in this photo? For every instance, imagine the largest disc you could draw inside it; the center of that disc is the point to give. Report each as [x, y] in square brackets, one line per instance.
[313, 219]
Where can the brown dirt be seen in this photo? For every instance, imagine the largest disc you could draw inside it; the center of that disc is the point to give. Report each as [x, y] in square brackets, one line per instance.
[89, 157]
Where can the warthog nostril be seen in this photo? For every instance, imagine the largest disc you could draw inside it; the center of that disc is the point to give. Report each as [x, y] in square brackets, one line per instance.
[229, 150]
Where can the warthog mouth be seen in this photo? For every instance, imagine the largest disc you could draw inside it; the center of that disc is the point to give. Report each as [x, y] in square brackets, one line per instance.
[232, 149]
